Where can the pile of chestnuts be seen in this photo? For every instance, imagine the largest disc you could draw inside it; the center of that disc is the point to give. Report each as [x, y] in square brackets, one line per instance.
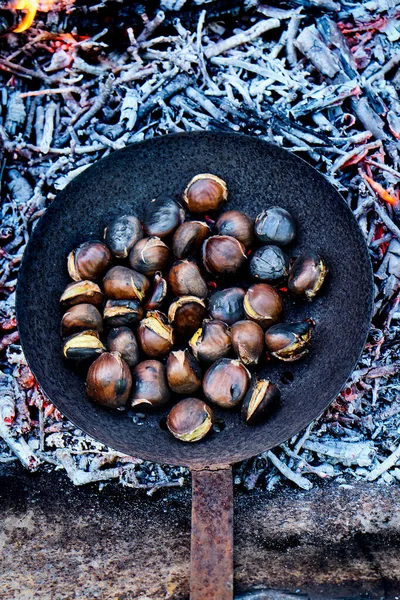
[158, 310]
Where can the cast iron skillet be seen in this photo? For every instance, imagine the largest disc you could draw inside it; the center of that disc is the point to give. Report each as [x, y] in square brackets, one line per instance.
[258, 175]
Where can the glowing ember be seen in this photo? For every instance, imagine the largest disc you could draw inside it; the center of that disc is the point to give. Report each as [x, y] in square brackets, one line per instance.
[30, 7]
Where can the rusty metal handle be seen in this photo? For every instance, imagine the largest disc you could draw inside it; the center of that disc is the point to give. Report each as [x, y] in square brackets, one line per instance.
[211, 568]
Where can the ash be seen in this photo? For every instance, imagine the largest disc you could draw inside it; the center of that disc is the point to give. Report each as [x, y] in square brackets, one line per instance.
[318, 77]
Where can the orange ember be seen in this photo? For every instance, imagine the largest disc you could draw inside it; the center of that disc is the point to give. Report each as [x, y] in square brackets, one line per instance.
[378, 189]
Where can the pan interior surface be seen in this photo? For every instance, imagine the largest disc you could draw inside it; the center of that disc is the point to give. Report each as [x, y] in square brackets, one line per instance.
[258, 175]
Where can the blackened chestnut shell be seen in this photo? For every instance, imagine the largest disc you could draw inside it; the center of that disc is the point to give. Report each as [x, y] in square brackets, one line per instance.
[275, 226]
[227, 305]
[122, 234]
[269, 263]
[289, 341]
[122, 312]
[149, 255]
[162, 216]
[186, 315]
[81, 292]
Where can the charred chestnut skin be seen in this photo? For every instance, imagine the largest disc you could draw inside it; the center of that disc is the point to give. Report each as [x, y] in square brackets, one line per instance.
[263, 304]
[260, 402]
[155, 334]
[149, 384]
[122, 234]
[306, 275]
[81, 292]
[289, 341]
[83, 346]
[223, 255]
[109, 380]
[81, 317]
[157, 293]
[188, 238]
[211, 342]
[247, 341]
[123, 341]
[190, 420]
[185, 279]
[236, 224]
[186, 315]
[118, 313]
[183, 372]
[205, 193]
[89, 261]
[269, 263]
[149, 255]
[275, 226]
[121, 283]
[226, 383]
[227, 305]
[162, 216]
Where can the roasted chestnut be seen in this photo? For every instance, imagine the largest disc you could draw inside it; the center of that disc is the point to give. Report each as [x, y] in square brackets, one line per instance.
[188, 238]
[109, 380]
[185, 279]
[162, 216]
[275, 226]
[149, 255]
[89, 261]
[269, 263]
[155, 334]
[227, 305]
[236, 224]
[122, 234]
[211, 342]
[122, 312]
[81, 292]
[226, 382]
[263, 304]
[83, 346]
[186, 315]
[121, 283]
[81, 317]
[223, 255]
[123, 341]
[205, 193]
[306, 275]
[289, 341]
[183, 372]
[260, 401]
[157, 293]
[190, 420]
[247, 341]
[149, 384]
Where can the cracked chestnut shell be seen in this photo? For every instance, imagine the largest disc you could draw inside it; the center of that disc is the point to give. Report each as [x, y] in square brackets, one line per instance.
[123, 341]
[109, 380]
[155, 334]
[149, 384]
[306, 275]
[236, 224]
[122, 234]
[205, 193]
[263, 304]
[89, 261]
[247, 341]
[226, 382]
[211, 342]
[289, 341]
[183, 372]
[227, 305]
[260, 401]
[121, 283]
[188, 238]
[149, 255]
[190, 420]
[122, 312]
[81, 317]
[223, 255]
[84, 345]
[185, 279]
[158, 292]
[275, 226]
[186, 315]
[269, 263]
[162, 216]
[81, 292]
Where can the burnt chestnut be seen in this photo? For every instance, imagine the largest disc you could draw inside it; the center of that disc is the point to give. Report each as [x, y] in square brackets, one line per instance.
[81, 292]
[275, 226]
[81, 317]
[269, 263]
[121, 283]
[89, 261]
[183, 372]
[289, 341]
[122, 234]
[263, 304]
[122, 312]
[84, 345]
[236, 224]
[109, 380]
[149, 384]
[162, 216]
[260, 401]
[155, 334]
[186, 315]
[123, 341]
[188, 238]
[226, 382]
[227, 305]
[185, 279]
[247, 341]
[157, 293]
[190, 420]
[205, 193]
[211, 342]
[149, 255]
[223, 255]
[306, 275]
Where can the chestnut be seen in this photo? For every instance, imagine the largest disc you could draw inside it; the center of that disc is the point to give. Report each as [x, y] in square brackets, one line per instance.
[122, 234]
[84, 345]
[121, 283]
[81, 317]
[205, 193]
[149, 255]
[211, 342]
[109, 380]
[263, 304]
[227, 305]
[183, 372]
[89, 261]
[269, 263]
[247, 341]
[190, 420]
[275, 226]
[289, 341]
[223, 255]
[185, 279]
[260, 401]
[155, 334]
[236, 224]
[122, 312]
[157, 293]
[162, 216]
[186, 315]
[81, 292]
[306, 275]
[188, 238]
[123, 341]
[149, 384]
[226, 382]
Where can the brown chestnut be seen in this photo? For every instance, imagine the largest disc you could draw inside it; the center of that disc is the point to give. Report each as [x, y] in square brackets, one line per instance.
[81, 317]
[212, 342]
[123, 341]
[185, 279]
[190, 420]
[155, 334]
[121, 283]
[205, 193]
[122, 234]
[289, 341]
[226, 382]
[227, 305]
[306, 275]
[84, 345]
[223, 255]
[122, 312]
[149, 255]
[236, 224]
[89, 261]
[186, 315]
[260, 401]
[162, 216]
[109, 380]
[263, 304]
[149, 384]
[81, 292]
[183, 372]
[188, 238]
[247, 341]
[157, 293]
